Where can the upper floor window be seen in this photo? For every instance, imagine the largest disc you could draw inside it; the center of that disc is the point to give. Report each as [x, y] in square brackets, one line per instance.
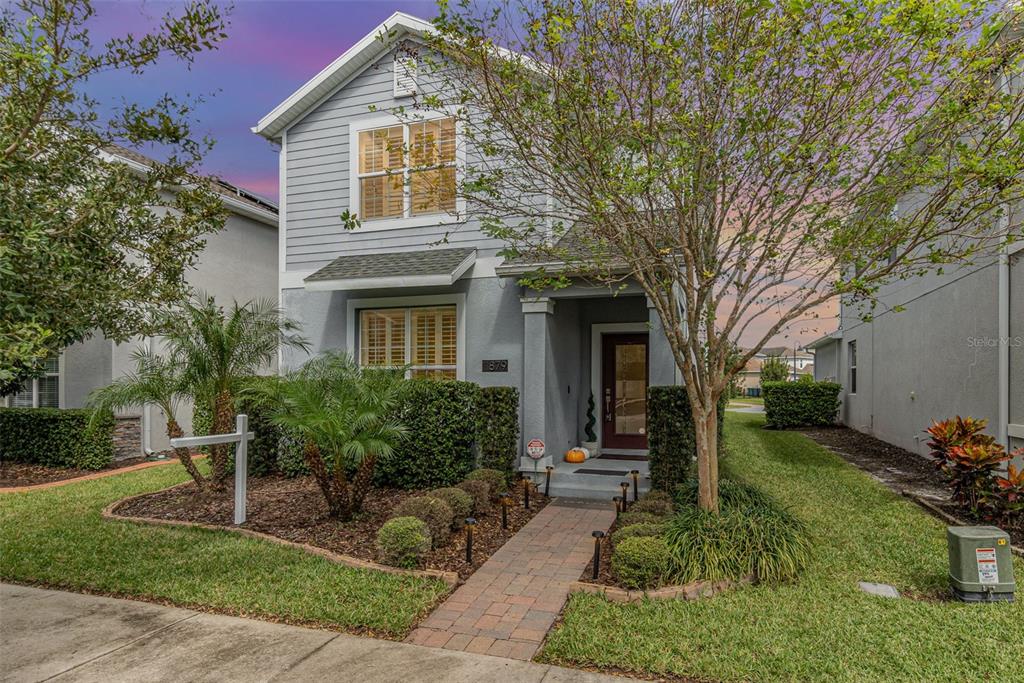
[407, 170]
[41, 392]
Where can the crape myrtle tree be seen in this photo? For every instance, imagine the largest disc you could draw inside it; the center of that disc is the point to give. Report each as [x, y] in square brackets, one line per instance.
[87, 245]
[741, 161]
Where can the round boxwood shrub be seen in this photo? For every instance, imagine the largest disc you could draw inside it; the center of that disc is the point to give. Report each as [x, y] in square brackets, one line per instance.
[458, 500]
[640, 562]
[494, 478]
[481, 493]
[658, 505]
[434, 512]
[630, 518]
[635, 530]
[402, 542]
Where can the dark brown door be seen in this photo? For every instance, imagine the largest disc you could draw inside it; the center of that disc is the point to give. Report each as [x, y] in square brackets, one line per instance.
[624, 391]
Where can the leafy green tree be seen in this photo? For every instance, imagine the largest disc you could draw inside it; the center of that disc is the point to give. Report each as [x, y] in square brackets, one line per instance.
[155, 381]
[345, 416]
[740, 160]
[88, 244]
[774, 369]
[217, 349]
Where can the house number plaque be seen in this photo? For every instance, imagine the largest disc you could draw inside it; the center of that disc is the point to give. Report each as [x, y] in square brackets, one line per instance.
[495, 365]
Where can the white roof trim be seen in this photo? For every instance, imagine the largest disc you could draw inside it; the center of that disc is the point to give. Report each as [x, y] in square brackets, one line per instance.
[394, 281]
[827, 339]
[337, 72]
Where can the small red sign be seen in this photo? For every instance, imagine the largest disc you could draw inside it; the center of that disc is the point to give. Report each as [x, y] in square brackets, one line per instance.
[535, 449]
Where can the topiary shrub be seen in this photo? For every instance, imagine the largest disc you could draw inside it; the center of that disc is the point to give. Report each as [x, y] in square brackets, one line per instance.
[458, 500]
[658, 505]
[57, 438]
[644, 529]
[671, 436]
[497, 428]
[481, 493]
[433, 512]
[402, 542]
[640, 561]
[800, 404]
[629, 518]
[494, 479]
[441, 426]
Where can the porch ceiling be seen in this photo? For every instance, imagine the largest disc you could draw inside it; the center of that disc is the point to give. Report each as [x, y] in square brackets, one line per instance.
[431, 267]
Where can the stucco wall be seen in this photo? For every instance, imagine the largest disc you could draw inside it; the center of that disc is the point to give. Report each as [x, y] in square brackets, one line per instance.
[826, 359]
[87, 366]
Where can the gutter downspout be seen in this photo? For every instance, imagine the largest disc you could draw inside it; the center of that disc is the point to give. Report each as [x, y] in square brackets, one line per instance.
[1003, 361]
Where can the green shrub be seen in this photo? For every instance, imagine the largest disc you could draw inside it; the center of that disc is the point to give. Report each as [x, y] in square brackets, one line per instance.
[497, 428]
[402, 542]
[290, 461]
[800, 404]
[433, 512]
[495, 479]
[458, 500]
[670, 435]
[630, 518]
[57, 438]
[756, 539]
[658, 505]
[439, 448]
[644, 529]
[640, 562]
[731, 494]
[480, 492]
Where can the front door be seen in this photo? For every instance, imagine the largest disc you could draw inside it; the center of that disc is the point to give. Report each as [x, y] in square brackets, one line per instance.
[624, 391]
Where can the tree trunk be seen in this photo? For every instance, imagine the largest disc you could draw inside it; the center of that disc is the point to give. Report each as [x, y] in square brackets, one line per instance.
[173, 432]
[315, 462]
[706, 434]
[362, 481]
[223, 419]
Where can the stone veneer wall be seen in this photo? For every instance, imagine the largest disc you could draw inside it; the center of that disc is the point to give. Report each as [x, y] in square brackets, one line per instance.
[127, 437]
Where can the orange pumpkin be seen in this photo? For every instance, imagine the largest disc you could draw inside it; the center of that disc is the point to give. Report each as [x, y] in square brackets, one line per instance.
[575, 455]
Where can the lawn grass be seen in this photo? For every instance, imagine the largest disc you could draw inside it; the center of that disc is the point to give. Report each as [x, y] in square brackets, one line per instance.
[752, 400]
[821, 628]
[58, 538]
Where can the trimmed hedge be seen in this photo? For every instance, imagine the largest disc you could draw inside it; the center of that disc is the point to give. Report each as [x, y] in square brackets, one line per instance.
[403, 541]
[800, 404]
[671, 437]
[58, 438]
[640, 561]
[497, 428]
[458, 500]
[438, 450]
[433, 512]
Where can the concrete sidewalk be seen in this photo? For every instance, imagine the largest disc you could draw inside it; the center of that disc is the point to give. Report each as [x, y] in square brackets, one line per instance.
[48, 634]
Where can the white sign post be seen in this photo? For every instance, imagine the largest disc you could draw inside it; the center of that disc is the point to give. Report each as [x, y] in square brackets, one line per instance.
[241, 437]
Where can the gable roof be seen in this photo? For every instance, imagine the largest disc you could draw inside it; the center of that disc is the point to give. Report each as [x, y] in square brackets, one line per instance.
[338, 72]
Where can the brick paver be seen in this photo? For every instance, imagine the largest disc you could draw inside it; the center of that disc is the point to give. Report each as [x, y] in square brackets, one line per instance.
[508, 605]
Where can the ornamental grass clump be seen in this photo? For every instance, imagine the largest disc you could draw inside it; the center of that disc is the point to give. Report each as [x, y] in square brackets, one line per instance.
[458, 500]
[731, 494]
[641, 561]
[402, 542]
[433, 512]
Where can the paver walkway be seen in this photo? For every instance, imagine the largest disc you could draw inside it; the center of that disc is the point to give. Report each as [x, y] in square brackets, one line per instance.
[508, 605]
[48, 635]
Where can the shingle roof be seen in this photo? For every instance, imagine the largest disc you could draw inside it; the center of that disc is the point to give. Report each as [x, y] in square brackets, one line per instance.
[401, 268]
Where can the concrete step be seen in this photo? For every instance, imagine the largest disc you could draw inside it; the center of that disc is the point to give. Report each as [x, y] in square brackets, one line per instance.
[605, 489]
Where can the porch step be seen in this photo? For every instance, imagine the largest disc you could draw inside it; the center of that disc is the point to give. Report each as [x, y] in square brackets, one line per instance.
[573, 490]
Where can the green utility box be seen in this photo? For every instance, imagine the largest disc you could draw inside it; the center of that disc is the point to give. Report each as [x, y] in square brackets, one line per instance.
[980, 564]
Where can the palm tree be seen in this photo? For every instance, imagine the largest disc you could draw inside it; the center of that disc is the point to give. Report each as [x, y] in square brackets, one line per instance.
[217, 349]
[345, 417]
[157, 381]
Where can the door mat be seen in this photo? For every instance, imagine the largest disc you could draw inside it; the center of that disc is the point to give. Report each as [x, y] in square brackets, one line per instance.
[610, 473]
[611, 456]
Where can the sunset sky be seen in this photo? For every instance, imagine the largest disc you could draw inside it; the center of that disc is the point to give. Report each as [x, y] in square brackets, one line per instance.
[273, 47]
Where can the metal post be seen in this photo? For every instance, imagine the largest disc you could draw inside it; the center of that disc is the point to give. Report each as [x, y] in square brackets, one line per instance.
[598, 535]
[636, 484]
[526, 492]
[470, 523]
[625, 495]
[547, 482]
[241, 467]
[618, 505]
[505, 496]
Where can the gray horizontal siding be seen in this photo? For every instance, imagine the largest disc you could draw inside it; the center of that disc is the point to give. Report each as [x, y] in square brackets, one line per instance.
[317, 192]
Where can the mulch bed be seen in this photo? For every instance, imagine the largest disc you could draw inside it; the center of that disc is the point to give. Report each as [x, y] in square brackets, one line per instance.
[294, 509]
[14, 474]
[902, 471]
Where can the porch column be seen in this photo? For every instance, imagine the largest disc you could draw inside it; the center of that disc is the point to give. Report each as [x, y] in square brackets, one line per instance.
[537, 313]
[663, 365]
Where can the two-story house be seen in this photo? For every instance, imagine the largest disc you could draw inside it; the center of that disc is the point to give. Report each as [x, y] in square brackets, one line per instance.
[418, 283]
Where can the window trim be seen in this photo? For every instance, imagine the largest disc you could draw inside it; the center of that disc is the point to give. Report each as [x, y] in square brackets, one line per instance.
[851, 366]
[409, 221]
[354, 306]
[6, 400]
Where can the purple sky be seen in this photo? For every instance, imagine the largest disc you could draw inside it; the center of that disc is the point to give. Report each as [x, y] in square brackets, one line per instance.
[273, 47]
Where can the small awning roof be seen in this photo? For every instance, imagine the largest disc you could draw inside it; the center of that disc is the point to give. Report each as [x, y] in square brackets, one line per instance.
[432, 267]
[829, 338]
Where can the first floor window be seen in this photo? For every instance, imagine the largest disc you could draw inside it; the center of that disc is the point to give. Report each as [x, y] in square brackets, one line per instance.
[852, 362]
[41, 392]
[425, 338]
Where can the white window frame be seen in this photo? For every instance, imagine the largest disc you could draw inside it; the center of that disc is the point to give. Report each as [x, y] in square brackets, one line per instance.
[354, 306]
[6, 401]
[407, 220]
[851, 365]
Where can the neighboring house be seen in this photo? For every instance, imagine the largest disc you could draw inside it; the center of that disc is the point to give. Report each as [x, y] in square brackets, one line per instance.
[800, 362]
[390, 293]
[956, 349]
[239, 262]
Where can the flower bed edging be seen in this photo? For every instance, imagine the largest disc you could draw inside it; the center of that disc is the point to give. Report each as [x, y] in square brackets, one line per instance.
[449, 578]
[95, 475]
[694, 590]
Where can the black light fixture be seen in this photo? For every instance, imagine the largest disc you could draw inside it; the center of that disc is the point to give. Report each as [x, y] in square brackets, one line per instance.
[636, 484]
[505, 499]
[547, 481]
[618, 505]
[598, 535]
[470, 523]
[625, 495]
[526, 492]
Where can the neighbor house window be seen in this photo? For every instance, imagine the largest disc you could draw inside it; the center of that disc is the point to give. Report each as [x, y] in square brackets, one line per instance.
[41, 392]
[851, 360]
[425, 338]
[407, 170]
